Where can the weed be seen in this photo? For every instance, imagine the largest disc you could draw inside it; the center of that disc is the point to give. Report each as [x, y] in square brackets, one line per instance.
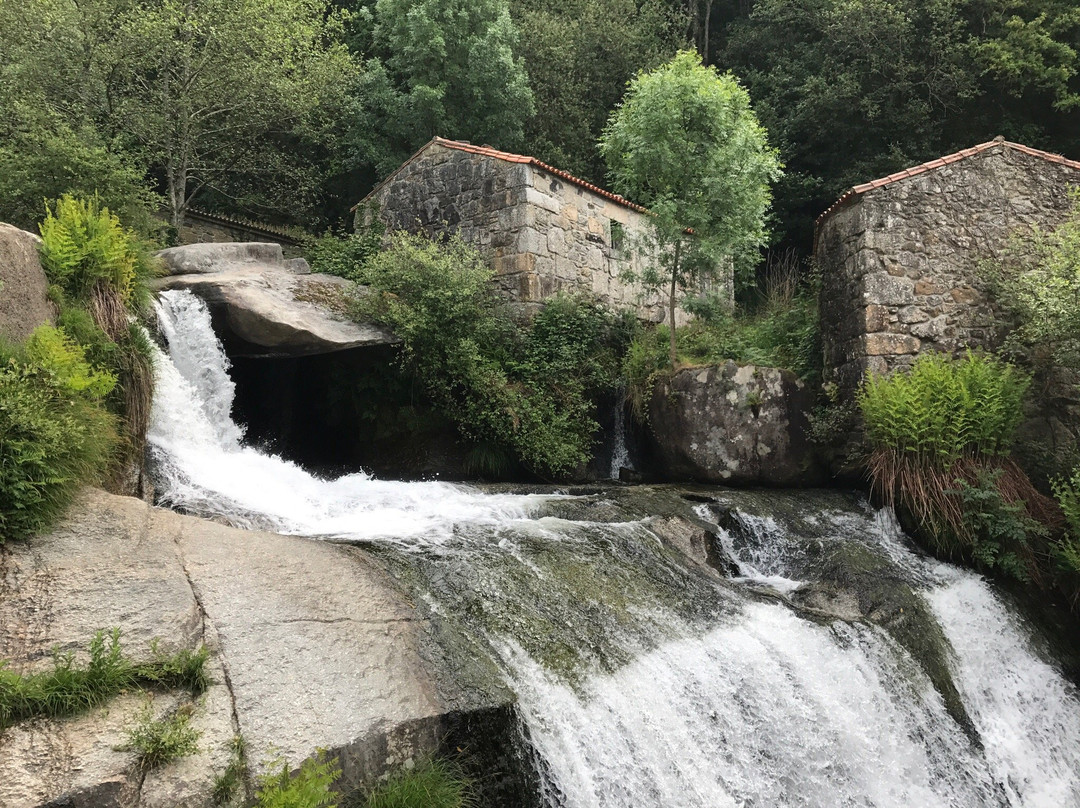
[434, 783]
[158, 741]
[308, 788]
[230, 781]
[68, 688]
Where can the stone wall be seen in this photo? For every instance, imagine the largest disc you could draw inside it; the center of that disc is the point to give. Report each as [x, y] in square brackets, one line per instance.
[542, 233]
[900, 263]
[201, 228]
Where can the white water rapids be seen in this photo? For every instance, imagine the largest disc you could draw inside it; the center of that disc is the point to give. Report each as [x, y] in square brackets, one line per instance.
[750, 704]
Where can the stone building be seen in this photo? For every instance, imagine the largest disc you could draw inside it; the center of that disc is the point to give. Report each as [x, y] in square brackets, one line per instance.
[543, 229]
[900, 256]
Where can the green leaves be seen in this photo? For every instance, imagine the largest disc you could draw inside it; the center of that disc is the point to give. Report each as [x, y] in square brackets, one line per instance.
[83, 245]
[945, 408]
[529, 387]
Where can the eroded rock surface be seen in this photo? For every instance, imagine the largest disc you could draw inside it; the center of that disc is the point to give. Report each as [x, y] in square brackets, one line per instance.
[312, 648]
[738, 425]
[270, 304]
[24, 304]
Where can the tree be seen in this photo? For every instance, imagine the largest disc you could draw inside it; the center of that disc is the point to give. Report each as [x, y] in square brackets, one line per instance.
[686, 143]
[579, 55]
[202, 88]
[436, 67]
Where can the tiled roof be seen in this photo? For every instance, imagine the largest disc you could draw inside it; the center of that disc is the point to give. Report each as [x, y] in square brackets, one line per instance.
[852, 193]
[510, 157]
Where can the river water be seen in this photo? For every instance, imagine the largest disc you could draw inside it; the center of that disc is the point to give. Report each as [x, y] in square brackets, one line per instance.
[829, 665]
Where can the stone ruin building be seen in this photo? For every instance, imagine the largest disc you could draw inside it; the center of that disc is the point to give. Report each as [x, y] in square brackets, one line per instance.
[544, 230]
[900, 256]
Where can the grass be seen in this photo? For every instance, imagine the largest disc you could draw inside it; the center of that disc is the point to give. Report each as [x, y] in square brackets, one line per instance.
[69, 688]
[158, 741]
[231, 781]
[431, 783]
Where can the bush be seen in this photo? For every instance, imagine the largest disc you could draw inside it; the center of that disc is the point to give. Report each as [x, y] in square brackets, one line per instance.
[158, 741]
[344, 256]
[429, 784]
[49, 164]
[528, 386]
[940, 436]
[1066, 550]
[309, 788]
[1037, 282]
[54, 434]
[945, 408]
[89, 254]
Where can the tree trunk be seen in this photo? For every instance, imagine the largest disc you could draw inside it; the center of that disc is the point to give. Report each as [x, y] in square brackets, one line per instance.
[705, 36]
[673, 353]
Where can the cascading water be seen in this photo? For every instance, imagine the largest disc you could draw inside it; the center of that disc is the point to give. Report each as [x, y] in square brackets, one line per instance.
[646, 679]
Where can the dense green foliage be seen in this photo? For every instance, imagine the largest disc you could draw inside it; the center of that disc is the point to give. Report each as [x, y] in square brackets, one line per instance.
[941, 434]
[70, 688]
[1037, 281]
[945, 409]
[291, 110]
[55, 435]
[579, 55]
[157, 741]
[85, 249]
[310, 787]
[529, 387]
[431, 783]
[1066, 550]
[437, 67]
[686, 144]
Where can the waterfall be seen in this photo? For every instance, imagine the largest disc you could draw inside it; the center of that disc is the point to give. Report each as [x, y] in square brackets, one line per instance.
[620, 454]
[643, 679]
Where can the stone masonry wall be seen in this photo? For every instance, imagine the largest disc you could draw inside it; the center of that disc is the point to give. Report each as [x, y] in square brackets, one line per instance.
[542, 233]
[900, 263]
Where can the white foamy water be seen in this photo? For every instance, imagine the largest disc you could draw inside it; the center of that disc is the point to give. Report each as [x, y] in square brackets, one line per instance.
[202, 468]
[769, 710]
[761, 708]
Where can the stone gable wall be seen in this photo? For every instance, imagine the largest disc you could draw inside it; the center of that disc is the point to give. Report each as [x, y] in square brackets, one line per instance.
[541, 233]
[900, 264]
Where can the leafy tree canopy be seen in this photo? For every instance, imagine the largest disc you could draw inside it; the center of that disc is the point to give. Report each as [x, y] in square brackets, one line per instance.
[686, 143]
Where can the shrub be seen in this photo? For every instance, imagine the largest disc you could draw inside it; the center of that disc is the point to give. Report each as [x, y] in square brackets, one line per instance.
[230, 781]
[70, 688]
[157, 741]
[1037, 282]
[54, 434]
[309, 788]
[344, 256]
[1066, 550]
[430, 784]
[91, 256]
[48, 164]
[940, 436]
[945, 408]
[527, 386]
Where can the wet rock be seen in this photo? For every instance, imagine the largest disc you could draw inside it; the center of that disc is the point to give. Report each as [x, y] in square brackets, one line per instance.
[730, 424]
[312, 647]
[267, 303]
[24, 303]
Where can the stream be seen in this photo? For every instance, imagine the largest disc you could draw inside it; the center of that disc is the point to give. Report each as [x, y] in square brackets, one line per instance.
[673, 646]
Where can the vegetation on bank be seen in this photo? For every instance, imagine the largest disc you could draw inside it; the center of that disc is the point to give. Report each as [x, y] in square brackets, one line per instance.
[70, 688]
[429, 783]
[75, 397]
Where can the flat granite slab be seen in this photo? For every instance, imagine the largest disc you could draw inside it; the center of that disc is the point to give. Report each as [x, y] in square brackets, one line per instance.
[312, 648]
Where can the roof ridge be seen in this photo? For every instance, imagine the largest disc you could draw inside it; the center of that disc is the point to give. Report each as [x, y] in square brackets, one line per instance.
[941, 162]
